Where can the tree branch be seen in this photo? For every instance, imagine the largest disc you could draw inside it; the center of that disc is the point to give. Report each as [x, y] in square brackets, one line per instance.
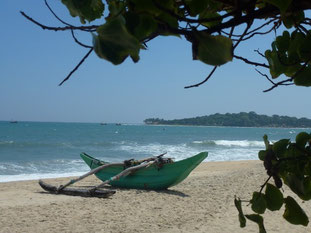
[252, 31]
[82, 28]
[263, 33]
[59, 19]
[257, 51]
[205, 80]
[189, 20]
[266, 76]
[249, 24]
[251, 62]
[78, 42]
[285, 82]
[77, 66]
[304, 29]
[258, 14]
[282, 83]
[72, 31]
[260, 27]
[264, 184]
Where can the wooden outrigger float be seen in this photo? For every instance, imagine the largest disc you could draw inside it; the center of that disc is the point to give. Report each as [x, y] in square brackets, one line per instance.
[77, 192]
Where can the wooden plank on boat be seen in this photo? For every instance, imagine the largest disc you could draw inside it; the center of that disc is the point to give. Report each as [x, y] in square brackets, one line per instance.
[77, 192]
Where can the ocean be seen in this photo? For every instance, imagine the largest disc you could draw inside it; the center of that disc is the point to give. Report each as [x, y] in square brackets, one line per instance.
[37, 150]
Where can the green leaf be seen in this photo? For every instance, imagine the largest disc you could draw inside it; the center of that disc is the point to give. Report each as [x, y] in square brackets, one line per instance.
[170, 20]
[262, 155]
[140, 25]
[151, 6]
[308, 167]
[259, 203]
[302, 139]
[274, 197]
[291, 70]
[300, 185]
[303, 78]
[196, 6]
[257, 219]
[292, 151]
[307, 187]
[304, 51]
[85, 9]
[212, 50]
[291, 19]
[145, 6]
[238, 205]
[283, 42]
[280, 147]
[276, 68]
[297, 39]
[115, 8]
[294, 214]
[114, 43]
[208, 14]
[287, 53]
[281, 4]
[288, 22]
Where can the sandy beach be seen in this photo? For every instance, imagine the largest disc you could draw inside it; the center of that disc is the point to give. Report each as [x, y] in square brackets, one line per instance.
[201, 203]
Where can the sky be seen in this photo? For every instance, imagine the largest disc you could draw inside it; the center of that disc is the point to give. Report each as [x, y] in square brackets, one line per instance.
[34, 61]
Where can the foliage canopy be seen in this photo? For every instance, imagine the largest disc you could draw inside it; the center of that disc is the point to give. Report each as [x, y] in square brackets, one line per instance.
[209, 25]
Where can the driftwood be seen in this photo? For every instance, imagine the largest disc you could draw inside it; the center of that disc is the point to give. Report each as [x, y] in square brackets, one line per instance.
[77, 192]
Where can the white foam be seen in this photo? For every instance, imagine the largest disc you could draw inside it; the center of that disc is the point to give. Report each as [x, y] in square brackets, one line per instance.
[178, 152]
[198, 142]
[237, 143]
[241, 143]
[6, 142]
[35, 176]
[232, 154]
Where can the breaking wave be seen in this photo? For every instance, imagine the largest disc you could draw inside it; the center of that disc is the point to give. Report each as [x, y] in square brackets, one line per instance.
[230, 143]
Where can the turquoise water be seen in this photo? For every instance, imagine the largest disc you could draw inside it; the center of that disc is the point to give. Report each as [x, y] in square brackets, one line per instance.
[32, 150]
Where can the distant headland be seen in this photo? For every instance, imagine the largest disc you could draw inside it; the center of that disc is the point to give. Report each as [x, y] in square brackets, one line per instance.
[242, 119]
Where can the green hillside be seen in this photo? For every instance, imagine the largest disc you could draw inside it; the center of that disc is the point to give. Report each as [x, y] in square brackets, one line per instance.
[242, 119]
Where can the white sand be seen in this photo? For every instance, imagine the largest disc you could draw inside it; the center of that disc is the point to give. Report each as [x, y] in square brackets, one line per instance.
[201, 203]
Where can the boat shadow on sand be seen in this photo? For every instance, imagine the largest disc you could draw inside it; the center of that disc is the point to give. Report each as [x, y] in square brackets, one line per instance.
[167, 191]
[138, 191]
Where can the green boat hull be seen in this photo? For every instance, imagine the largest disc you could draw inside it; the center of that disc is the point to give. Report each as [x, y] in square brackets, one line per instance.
[148, 178]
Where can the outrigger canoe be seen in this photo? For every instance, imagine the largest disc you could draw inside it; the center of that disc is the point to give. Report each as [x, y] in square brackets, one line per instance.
[152, 177]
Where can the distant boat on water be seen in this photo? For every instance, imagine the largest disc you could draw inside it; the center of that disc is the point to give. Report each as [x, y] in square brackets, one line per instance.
[14, 122]
[118, 124]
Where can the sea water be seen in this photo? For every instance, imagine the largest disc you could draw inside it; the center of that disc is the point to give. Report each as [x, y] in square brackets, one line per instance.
[33, 150]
